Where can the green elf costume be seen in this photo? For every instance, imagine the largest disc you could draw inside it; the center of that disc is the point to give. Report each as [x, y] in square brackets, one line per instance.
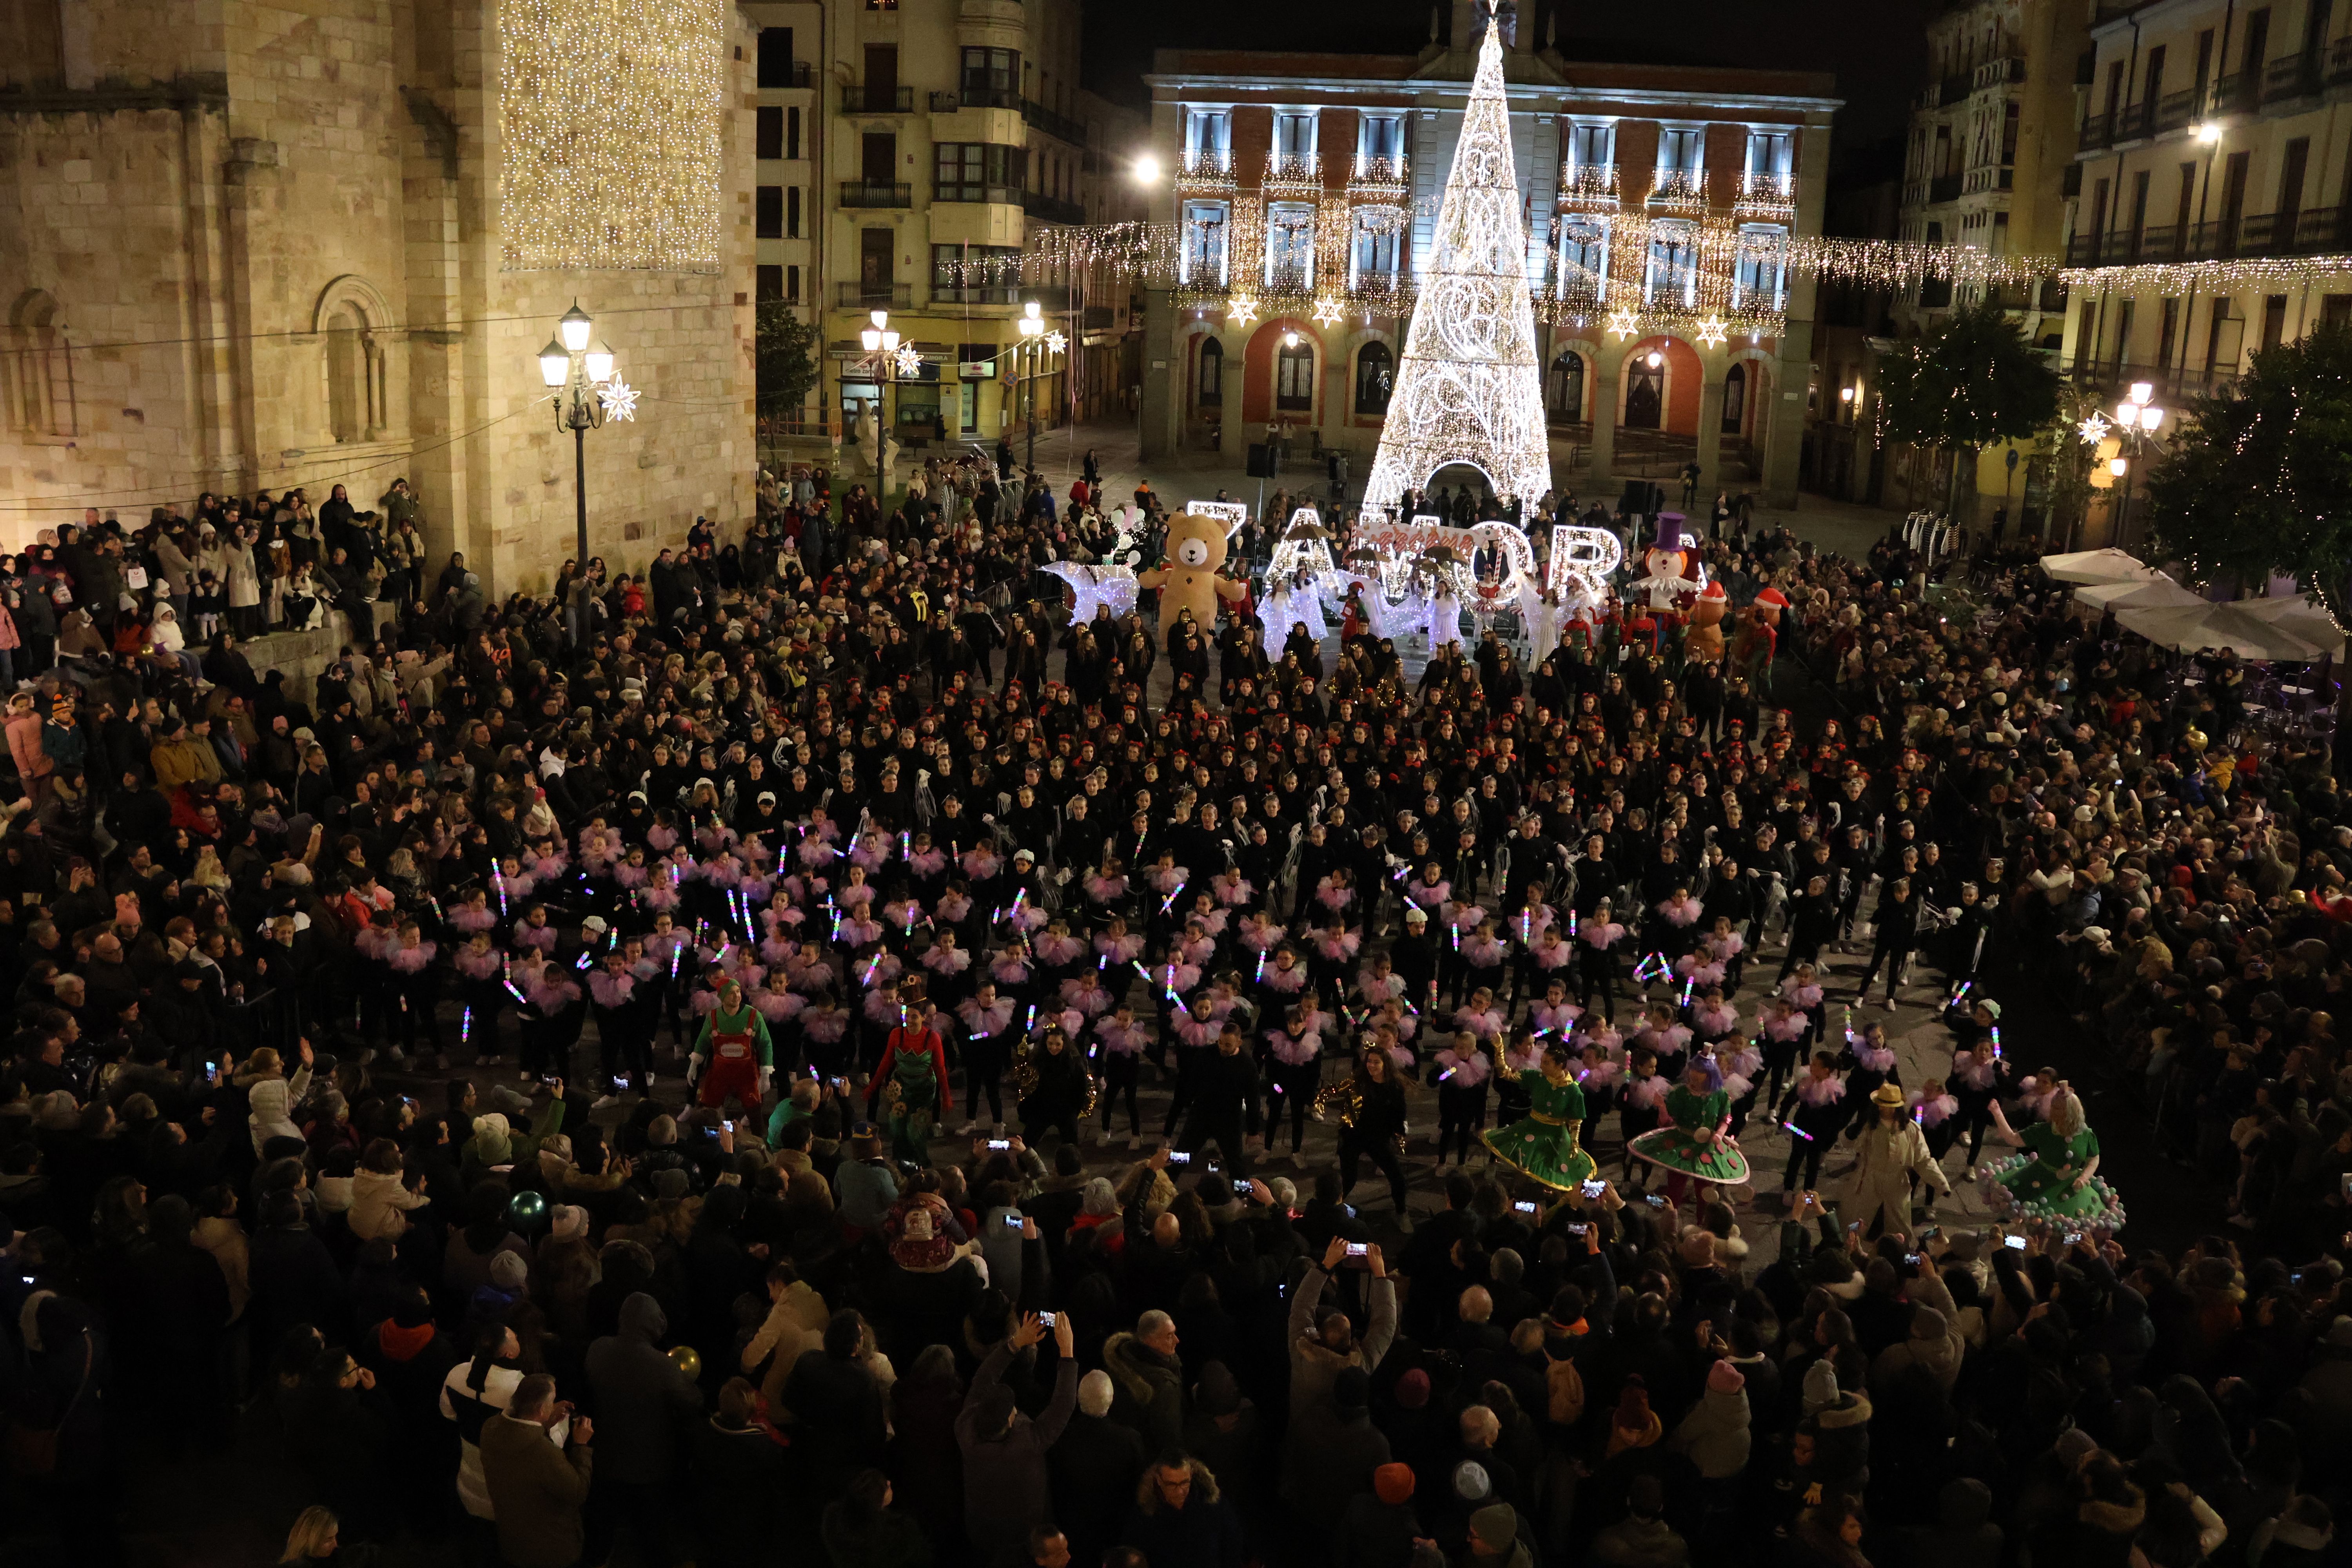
[734, 1054]
[2056, 1175]
[1542, 1145]
[1694, 1143]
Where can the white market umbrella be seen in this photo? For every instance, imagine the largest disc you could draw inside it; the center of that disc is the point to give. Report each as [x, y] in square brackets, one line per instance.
[2160, 594]
[2212, 628]
[2108, 565]
[2300, 617]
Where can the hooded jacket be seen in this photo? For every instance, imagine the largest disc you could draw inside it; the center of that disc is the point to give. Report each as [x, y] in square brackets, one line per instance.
[642, 1398]
[380, 1204]
[1714, 1435]
[1149, 1392]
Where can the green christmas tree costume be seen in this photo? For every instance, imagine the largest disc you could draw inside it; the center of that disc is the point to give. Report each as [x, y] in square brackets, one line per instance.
[1677, 1145]
[1541, 1145]
[2039, 1183]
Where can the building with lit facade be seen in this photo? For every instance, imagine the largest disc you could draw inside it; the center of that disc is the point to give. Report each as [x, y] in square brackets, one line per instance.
[908, 151]
[1300, 191]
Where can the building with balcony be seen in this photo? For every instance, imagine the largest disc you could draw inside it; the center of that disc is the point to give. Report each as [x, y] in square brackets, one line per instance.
[1303, 191]
[909, 151]
[2210, 214]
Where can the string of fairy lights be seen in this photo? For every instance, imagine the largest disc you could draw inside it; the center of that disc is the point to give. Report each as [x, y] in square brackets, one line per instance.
[609, 115]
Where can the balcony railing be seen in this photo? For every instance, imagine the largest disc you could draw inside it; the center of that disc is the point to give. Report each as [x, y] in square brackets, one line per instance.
[1987, 177]
[859, 98]
[2000, 72]
[1293, 173]
[876, 194]
[1285, 277]
[2293, 77]
[1589, 187]
[795, 73]
[975, 294]
[855, 294]
[1944, 188]
[1007, 196]
[2172, 383]
[2256, 235]
[1053, 124]
[1204, 169]
[983, 95]
[1678, 187]
[1050, 209]
[1385, 179]
[1766, 192]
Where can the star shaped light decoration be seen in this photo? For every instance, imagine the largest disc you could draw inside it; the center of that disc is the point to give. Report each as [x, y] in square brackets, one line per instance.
[1056, 343]
[619, 398]
[1326, 312]
[1711, 333]
[2095, 429]
[907, 361]
[1240, 311]
[1621, 321]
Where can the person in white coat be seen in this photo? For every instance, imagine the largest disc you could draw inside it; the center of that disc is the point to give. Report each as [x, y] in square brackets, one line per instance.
[1886, 1153]
[270, 1097]
[381, 1199]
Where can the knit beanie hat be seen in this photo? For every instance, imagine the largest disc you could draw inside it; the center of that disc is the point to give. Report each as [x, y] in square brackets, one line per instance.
[671, 1185]
[1393, 1483]
[1413, 1388]
[508, 1271]
[1725, 1378]
[1497, 1526]
[1470, 1483]
[570, 1221]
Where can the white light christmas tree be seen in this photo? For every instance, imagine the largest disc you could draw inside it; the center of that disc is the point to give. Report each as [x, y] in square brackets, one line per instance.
[1469, 388]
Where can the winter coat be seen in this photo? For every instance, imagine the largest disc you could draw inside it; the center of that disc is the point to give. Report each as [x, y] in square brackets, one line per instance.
[642, 1397]
[267, 1102]
[1096, 1465]
[793, 1327]
[244, 577]
[1714, 1435]
[743, 1494]
[25, 746]
[1005, 1484]
[1331, 1459]
[380, 1204]
[1205, 1534]
[1149, 1392]
[539, 1491]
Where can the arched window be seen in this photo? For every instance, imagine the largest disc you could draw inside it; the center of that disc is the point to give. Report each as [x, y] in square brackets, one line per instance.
[1735, 399]
[1294, 378]
[347, 373]
[40, 381]
[354, 394]
[1565, 394]
[1375, 374]
[1213, 374]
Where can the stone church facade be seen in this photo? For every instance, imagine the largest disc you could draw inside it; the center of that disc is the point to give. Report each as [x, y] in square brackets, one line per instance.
[247, 246]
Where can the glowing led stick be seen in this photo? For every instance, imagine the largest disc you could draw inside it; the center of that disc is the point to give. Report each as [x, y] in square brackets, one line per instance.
[465, 1027]
[868, 979]
[1792, 1127]
[1260, 963]
[513, 992]
[436, 911]
[582, 962]
[1689, 984]
[497, 881]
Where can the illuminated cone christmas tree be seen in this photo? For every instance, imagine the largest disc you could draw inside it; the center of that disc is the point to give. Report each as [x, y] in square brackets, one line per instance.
[1468, 388]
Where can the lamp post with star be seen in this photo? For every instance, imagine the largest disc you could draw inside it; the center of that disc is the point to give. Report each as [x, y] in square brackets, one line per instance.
[1036, 340]
[579, 370]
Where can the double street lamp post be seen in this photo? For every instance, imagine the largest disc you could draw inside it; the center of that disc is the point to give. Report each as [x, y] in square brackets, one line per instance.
[1036, 341]
[578, 368]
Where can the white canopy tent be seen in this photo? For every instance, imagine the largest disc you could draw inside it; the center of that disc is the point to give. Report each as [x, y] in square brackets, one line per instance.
[2206, 628]
[2099, 566]
[2157, 594]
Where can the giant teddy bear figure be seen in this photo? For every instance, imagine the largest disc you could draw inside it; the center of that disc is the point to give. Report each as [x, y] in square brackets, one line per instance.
[1187, 579]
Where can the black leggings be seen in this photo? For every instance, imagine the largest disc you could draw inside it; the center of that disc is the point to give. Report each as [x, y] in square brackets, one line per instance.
[983, 1070]
[1291, 1087]
[1805, 1154]
[1118, 1076]
[1381, 1153]
[1458, 1135]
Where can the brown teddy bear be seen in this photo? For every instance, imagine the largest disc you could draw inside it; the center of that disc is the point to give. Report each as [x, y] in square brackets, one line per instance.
[1188, 579]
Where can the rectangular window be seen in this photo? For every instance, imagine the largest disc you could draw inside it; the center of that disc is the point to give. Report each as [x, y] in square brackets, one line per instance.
[1584, 259]
[1380, 138]
[792, 212]
[992, 78]
[768, 283]
[792, 132]
[1761, 273]
[2274, 319]
[793, 284]
[2336, 310]
[1673, 273]
[768, 210]
[1379, 247]
[1769, 152]
[1208, 130]
[2170, 323]
[1202, 262]
[770, 136]
[977, 172]
[1294, 135]
[1681, 150]
[775, 57]
[1591, 145]
[1290, 245]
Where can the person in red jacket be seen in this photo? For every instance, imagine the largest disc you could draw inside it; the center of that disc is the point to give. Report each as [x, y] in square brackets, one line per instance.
[911, 1081]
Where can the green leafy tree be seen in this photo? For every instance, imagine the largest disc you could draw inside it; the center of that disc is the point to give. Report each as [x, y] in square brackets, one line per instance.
[784, 367]
[2258, 479]
[1971, 382]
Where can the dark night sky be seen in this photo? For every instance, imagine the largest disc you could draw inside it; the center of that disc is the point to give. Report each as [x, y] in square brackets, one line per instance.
[1878, 47]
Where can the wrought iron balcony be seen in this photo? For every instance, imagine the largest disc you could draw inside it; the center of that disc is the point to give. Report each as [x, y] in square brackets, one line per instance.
[1588, 187]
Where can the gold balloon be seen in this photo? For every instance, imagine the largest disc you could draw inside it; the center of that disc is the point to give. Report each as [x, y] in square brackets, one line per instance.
[688, 1360]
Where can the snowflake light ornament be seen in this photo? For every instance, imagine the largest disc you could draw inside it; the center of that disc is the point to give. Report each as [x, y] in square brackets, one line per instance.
[1622, 323]
[1057, 341]
[1328, 311]
[907, 363]
[619, 398]
[1711, 333]
[2095, 429]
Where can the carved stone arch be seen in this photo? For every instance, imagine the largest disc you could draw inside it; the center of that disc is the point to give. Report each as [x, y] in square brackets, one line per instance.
[39, 396]
[352, 326]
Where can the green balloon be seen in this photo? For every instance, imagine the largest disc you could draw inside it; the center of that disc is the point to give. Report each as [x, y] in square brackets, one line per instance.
[525, 1210]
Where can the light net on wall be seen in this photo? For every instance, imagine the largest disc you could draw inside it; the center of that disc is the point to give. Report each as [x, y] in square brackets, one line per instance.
[1468, 389]
[609, 131]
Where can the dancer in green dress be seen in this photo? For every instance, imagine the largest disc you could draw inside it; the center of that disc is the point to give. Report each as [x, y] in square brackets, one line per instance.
[1696, 1140]
[2057, 1176]
[1541, 1145]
